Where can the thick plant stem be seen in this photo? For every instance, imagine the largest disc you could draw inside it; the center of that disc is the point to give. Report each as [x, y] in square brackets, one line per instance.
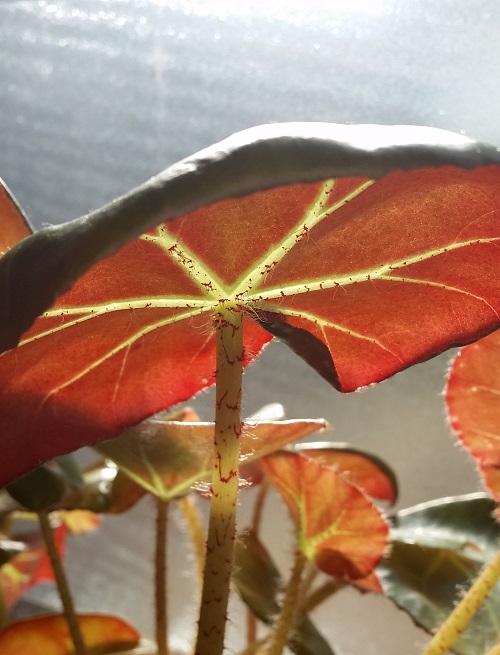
[62, 584]
[466, 608]
[285, 623]
[222, 522]
[161, 604]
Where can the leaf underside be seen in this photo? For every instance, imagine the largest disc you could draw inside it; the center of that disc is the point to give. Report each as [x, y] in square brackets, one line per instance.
[473, 402]
[168, 458]
[341, 270]
[363, 469]
[438, 549]
[347, 536]
[260, 158]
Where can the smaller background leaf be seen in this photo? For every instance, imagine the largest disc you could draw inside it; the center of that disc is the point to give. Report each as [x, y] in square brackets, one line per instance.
[338, 527]
[438, 549]
[364, 469]
[48, 635]
[473, 403]
[168, 457]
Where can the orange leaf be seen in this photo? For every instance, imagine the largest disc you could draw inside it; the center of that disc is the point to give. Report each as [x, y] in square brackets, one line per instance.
[80, 521]
[366, 471]
[49, 635]
[338, 527]
[473, 402]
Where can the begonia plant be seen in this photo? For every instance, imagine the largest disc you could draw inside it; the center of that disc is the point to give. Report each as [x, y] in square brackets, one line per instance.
[365, 249]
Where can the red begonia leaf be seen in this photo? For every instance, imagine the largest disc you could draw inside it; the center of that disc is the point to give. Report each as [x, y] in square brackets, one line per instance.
[473, 402]
[259, 158]
[168, 458]
[49, 635]
[341, 270]
[366, 470]
[337, 525]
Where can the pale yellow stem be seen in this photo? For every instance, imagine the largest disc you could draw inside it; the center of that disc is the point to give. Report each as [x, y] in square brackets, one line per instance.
[222, 523]
[286, 620]
[470, 603]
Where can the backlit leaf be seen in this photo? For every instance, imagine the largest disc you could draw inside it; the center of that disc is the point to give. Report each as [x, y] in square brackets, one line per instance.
[49, 635]
[438, 549]
[473, 402]
[259, 158]
[337, 525]
[366, 470]
[342, 270]
[169, 457]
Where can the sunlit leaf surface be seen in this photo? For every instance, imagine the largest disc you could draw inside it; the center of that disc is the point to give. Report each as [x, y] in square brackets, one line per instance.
[366, 470]
[48, 635]
[473, 402]
[168, 458]
[438, 549]
[341, 270]
[338, 527]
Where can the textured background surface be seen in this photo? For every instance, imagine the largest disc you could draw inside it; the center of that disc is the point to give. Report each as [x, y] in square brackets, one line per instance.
[95, 97]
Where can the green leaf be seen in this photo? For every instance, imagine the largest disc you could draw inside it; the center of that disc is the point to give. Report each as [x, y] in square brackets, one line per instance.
[259, 584]
[438, 549]
[39, 490]
[167, 458]
[70, 470]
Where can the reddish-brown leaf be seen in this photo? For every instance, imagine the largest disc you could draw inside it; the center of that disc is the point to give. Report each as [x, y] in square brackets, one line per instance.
[473, 401]
[49, 635]
[168, 458]
[13, 225]
[337, 525]
[366, 471]
[342, 271]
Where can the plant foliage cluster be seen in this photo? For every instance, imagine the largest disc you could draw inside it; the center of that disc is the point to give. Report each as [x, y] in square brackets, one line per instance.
[366, 250]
